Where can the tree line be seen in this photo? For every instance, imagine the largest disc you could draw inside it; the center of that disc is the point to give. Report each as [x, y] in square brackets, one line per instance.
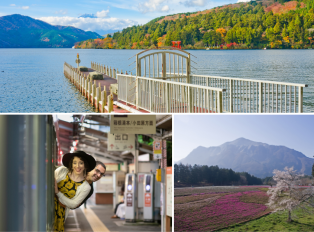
[227, 27]
[198, 174]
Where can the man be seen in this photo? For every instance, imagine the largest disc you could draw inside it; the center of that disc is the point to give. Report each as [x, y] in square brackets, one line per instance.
[93, 176]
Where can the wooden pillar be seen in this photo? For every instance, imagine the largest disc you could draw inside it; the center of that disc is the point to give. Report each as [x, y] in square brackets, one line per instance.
[103, 99]
[97, 97]
[93, 93]
[110, 103]
[168, 219]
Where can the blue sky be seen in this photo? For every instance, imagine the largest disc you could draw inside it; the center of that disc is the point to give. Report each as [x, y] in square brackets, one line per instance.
[293, 131]
[109, 15]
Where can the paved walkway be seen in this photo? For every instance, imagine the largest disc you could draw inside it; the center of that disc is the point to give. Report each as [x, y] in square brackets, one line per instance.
[98, 218]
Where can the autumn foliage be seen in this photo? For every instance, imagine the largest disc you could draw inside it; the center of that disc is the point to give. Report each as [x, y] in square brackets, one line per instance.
[255, 24]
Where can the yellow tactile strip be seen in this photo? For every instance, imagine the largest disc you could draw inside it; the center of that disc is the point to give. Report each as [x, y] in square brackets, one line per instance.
[94, 221]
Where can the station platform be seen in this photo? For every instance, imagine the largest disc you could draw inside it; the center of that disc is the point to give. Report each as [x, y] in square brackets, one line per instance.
[98, 218]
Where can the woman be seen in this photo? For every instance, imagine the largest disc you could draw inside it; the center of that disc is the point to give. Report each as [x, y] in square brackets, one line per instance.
[71, 188]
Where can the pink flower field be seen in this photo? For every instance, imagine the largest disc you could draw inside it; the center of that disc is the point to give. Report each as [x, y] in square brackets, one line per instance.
[219, 210]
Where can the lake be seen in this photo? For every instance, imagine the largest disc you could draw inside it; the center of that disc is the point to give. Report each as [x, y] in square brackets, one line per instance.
[32, 80]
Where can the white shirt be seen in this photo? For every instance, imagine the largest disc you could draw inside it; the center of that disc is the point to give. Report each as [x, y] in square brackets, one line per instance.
[81, 192]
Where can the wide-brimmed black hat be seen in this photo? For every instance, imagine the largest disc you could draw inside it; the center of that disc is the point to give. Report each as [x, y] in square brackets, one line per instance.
[90, 159]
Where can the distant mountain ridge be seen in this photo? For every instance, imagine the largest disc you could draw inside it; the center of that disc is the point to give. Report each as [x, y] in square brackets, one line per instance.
[18, 31]
[243, 155]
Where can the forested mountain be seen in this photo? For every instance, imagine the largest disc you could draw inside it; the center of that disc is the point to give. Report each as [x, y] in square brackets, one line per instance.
[256, 24]
[213, 175]
[18, 31]
[243, 155]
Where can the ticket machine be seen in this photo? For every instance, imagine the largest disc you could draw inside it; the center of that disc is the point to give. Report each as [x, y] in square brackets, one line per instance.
[148, 209]
[130, 197]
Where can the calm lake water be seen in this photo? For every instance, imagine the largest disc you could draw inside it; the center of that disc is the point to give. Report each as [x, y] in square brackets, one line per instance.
[32, 80]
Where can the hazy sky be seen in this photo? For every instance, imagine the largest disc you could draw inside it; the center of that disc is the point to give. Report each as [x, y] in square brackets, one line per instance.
[110, 15]
[292, 131]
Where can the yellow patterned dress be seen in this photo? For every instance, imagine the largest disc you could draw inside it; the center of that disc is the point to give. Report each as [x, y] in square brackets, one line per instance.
[68, 187]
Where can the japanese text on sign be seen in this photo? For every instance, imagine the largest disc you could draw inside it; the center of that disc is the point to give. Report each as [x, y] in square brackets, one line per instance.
[133, 124]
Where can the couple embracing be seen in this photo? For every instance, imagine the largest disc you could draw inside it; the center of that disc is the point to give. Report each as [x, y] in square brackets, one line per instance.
[74, 183]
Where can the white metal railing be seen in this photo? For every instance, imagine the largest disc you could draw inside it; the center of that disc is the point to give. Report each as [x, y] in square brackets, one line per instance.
[161, 96]
[255, 96]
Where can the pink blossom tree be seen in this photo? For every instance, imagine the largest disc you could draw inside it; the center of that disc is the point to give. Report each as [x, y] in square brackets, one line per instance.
[288, 195]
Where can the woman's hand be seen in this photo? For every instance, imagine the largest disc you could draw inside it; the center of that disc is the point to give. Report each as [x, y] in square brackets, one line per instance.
[56, 187]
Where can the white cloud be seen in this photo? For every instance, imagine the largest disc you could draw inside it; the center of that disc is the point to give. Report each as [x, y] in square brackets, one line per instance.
[90, 24]
[20, 7]
[151, 6]
[165, 8]
[102, 14]
[63, 12]
[192, 3]
[243, 1]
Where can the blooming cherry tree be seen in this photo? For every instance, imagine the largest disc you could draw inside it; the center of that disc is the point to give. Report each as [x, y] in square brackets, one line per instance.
[288, 195]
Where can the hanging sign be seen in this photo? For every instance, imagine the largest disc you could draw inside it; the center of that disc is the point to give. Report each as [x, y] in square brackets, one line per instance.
[169, 191]
[121, 142]
[133, 124]
[157, 149]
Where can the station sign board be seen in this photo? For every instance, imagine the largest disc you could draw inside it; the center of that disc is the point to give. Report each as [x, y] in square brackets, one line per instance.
[133, 124]
[121, 142]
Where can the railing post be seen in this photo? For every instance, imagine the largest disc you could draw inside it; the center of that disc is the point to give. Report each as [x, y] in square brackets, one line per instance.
[261, 97]
[219, 101]
[137, 66]
[188, 69]
[150, 95]
[300, 106]
[231, 96]
[164, 66]
[137, 90]
[167, 98]
[190, 100]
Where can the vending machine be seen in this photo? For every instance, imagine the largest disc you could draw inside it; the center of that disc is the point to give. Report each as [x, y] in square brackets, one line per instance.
[130, 197]
[148, 209]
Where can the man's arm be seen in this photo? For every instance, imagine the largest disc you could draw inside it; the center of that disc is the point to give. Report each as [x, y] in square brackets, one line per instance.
[88, 196]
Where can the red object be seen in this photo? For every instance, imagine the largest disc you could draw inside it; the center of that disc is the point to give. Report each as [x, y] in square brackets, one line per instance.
[148, 200]
[176, 44]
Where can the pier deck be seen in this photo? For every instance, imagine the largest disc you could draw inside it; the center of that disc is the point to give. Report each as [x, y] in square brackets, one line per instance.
[78, 80]
[107, 81]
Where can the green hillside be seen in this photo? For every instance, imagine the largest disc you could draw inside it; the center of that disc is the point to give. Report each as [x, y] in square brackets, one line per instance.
[257, 24]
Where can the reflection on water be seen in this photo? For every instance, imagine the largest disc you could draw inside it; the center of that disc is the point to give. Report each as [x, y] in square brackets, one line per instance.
[32, 79]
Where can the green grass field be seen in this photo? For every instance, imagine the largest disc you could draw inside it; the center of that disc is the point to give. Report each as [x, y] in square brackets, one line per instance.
[277, 222]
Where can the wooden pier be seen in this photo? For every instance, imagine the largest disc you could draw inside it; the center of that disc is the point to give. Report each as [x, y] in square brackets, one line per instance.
[164, 83]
